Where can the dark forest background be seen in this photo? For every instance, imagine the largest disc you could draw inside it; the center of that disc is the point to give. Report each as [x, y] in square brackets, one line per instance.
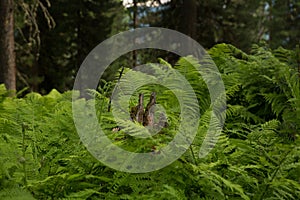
[51, 39]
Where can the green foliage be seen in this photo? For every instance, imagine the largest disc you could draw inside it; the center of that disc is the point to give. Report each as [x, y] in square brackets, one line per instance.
[256, 157]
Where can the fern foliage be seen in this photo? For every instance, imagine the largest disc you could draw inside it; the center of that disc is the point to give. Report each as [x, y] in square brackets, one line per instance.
[256, 155]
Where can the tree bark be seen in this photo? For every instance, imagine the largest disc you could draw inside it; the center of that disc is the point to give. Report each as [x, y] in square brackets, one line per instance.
[149, 111]
[188, 20]
[7, 45]
[135, 13]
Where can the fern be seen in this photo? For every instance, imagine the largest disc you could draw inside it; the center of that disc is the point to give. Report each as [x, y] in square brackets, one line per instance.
[255, 156]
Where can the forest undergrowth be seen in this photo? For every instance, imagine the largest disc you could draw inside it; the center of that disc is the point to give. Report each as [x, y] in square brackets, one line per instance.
[257, 155]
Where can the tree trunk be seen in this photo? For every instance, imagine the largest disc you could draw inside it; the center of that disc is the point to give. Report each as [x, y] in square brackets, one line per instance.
[135, 13]
[7, 45]
[188, 20]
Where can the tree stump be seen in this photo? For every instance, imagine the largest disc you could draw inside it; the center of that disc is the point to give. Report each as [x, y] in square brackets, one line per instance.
[146, 117]
[137, 112]
[149, 111]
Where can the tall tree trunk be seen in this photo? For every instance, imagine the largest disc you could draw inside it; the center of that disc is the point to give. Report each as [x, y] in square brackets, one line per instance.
[188, 20]
[7, 45]
[79, 42]
[135, 13]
